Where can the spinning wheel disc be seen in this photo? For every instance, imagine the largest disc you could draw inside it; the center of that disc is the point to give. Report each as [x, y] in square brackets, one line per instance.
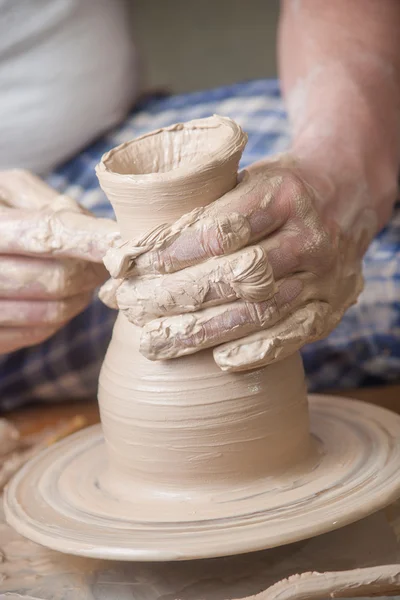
[61, 498]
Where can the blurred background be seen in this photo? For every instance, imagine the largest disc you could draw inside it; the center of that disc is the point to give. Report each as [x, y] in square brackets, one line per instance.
[188, 45]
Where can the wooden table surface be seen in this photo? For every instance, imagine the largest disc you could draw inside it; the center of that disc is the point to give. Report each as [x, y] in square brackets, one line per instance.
[35, 418]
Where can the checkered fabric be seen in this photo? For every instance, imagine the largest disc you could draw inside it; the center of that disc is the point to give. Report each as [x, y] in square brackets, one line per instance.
[363, 350]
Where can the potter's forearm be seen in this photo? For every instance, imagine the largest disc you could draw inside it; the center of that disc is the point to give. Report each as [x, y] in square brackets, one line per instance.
[340, 71]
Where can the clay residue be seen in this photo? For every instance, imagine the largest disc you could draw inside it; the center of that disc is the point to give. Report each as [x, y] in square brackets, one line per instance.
[246, 274]
[372, 581]
[284, 338]
[166, 337]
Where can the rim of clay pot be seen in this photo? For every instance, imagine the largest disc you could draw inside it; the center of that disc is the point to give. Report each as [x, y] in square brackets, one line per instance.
[234, 143]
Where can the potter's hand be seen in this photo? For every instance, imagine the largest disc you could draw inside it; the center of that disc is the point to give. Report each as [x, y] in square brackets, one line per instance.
[260, 272]
[50, 259]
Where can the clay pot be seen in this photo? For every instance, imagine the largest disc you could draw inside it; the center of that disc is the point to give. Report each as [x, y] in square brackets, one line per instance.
[184, 423]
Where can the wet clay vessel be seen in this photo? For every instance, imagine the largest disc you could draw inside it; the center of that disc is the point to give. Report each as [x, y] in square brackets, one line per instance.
[192, 462]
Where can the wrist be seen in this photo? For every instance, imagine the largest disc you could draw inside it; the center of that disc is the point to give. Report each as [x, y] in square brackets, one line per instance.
[349, 180]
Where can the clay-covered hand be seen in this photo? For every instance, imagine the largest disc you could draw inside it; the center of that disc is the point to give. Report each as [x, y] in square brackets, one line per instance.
[51, 253]
[258, 273]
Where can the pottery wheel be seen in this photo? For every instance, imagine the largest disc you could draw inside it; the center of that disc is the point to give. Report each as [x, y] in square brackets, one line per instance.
[58, 499]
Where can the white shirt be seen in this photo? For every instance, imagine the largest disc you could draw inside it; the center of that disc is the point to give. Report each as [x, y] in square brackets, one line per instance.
[68, 72]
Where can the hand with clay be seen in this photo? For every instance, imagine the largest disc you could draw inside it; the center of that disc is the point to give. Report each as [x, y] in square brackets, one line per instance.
[256, 273]
[275, 263]
[51, 253]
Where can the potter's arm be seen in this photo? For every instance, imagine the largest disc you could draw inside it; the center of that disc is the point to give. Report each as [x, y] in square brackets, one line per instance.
[340, 72]
[307, 216]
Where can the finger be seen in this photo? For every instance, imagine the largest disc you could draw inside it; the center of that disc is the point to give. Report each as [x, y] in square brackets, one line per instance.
[30, 313]
[292, 251]
[15, 338]
[307, 324]
[255, 208]
[236, 220]
[245, 274]
[64, 233]
[210, 284]
[135, 257]
[27, 278]
[20, 188]
[169, 337]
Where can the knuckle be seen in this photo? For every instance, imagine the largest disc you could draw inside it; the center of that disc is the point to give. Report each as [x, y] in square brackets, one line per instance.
[324, 255]
[260, 313]
[213, 241]
[296, 193]
[225, 234]
[293, 198]
[155, 261]
[163, 261]
[295, 184]
[315, 248]
[217, 244]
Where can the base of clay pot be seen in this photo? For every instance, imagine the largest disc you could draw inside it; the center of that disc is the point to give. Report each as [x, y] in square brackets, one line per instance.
[58, 499]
